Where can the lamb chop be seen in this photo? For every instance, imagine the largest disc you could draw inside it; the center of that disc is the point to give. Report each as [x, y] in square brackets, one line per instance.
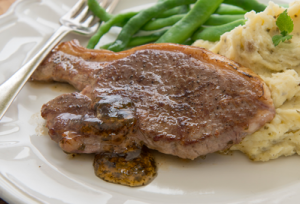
[179, 100]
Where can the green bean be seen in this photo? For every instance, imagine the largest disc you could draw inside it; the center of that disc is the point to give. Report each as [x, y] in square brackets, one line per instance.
[188, 41]
[106, 46]
[213, 33]
[247, 5]
[175, 11]
[184, 28]
[98, 10]
[214, 19]
[226, 9]
[120, 19]
[140, 40]
[162, 22]
[137, 21]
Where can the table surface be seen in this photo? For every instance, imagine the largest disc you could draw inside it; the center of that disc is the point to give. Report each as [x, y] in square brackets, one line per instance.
[4, 5]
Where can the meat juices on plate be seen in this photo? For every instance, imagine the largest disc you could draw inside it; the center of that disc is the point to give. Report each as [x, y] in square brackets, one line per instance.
[179, 100]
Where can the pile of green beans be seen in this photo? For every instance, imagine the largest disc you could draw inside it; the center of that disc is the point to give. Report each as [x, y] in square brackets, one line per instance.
[140, 40]
[173, 21]
[184, 28]
[213, 20]
[137, 21]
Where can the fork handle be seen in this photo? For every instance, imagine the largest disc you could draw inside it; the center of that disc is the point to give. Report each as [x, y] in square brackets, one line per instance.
[11, 87]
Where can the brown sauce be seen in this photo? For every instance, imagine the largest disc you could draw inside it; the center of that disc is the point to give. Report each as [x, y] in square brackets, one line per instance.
[117, 169]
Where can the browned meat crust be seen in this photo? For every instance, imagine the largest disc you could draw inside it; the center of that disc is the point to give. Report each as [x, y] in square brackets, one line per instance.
[185, 101]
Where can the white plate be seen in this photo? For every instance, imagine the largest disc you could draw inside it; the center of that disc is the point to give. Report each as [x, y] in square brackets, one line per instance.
[33, 169]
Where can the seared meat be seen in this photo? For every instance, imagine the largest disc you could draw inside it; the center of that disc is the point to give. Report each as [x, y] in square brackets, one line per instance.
[71, 63]
[179, 100]
[79, 126]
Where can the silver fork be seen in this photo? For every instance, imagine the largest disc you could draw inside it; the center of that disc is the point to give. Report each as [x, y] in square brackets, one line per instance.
[78, 19]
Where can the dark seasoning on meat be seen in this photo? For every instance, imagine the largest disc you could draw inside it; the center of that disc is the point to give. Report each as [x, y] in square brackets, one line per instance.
[179, 100]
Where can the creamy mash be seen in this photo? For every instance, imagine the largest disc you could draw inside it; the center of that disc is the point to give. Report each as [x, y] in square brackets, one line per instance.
[251, 45]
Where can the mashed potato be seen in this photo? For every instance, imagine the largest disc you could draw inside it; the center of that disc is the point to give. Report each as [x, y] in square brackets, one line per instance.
[251, 45]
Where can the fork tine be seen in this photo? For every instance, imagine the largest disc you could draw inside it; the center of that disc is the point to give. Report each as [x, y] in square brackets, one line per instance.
[82, 20]
[88, 21]
[82, 14]
[112, 6]
[94, 27]
[75, 9]
[103, 3]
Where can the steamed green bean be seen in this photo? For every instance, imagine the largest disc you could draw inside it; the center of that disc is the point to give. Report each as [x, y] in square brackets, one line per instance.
[213, 20]
[137, 21]
[247, 5]
[118, 19]
[175, 11]
[140, 40]
[226, 9]
[214, 33]
[98, 10]
[184, 28]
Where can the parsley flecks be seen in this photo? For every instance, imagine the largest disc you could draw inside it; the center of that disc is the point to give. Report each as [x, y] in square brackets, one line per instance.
[286, 26]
